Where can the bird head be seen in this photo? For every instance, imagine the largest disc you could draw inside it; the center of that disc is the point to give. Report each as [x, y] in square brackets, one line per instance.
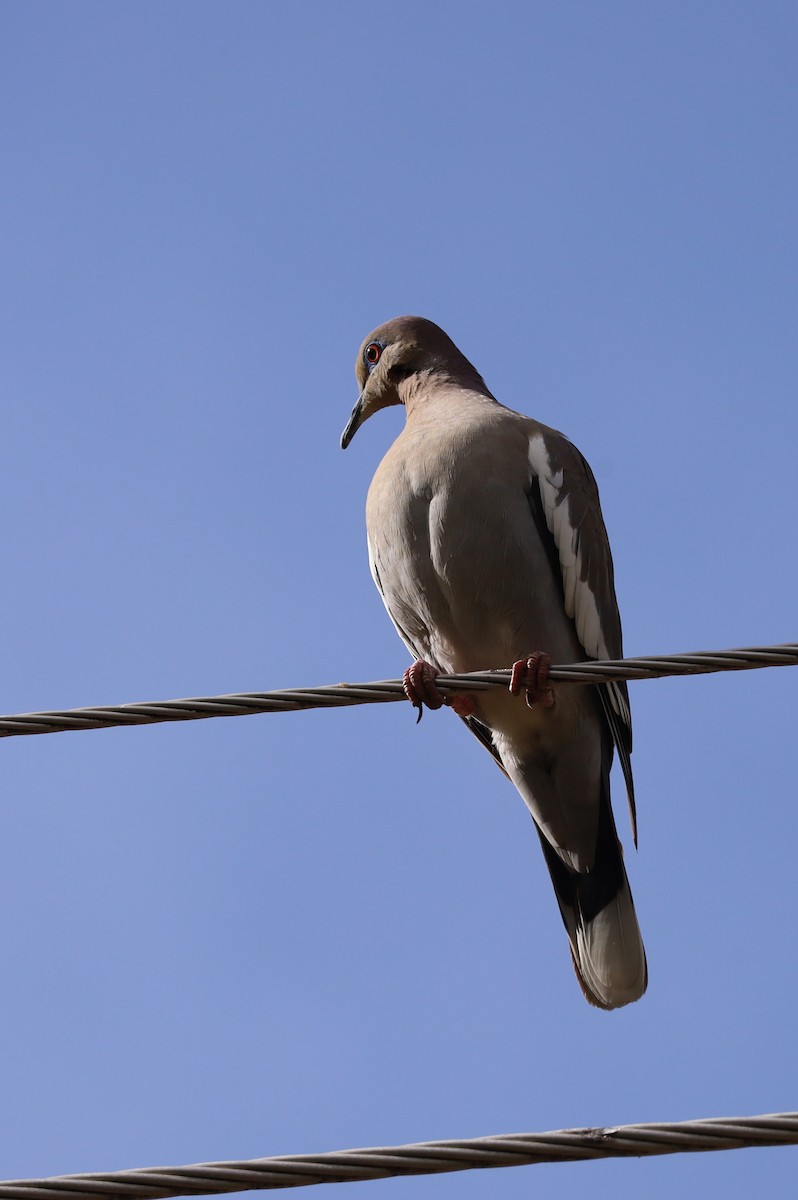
[395, 358]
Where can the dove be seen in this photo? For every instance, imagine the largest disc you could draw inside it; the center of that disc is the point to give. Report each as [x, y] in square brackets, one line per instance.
[488, 546]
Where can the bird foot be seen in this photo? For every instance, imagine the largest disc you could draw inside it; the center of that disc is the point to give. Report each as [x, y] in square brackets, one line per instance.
[418, 682]
[463, 704]
[531, 675]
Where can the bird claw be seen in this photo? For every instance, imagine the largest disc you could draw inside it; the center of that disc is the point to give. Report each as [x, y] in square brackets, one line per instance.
[420, 688]
[418, 682]
[531, 675]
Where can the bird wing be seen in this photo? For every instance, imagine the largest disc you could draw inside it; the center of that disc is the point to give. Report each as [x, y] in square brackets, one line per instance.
[415, 650]
[564, 500]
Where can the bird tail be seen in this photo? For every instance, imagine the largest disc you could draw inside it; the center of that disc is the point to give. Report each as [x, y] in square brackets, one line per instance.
[599, 916]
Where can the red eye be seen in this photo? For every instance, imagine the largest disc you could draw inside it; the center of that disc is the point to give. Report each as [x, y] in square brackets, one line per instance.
[372, 353]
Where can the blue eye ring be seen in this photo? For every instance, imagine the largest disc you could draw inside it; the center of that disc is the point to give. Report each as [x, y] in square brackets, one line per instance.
[372, 354]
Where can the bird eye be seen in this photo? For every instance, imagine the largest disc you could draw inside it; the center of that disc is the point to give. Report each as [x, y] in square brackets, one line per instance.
[372, 353]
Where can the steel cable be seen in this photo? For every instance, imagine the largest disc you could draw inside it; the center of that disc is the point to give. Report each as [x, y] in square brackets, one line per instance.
[421, 1158]
[198, 708]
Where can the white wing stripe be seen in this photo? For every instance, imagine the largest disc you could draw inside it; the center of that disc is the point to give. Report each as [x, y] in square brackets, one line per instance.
[580, 602]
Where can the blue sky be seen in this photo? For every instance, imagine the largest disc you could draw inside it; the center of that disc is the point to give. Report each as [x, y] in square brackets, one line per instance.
[315, 931]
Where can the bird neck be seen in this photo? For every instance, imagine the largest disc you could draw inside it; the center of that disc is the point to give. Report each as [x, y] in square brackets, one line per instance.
[425, 389]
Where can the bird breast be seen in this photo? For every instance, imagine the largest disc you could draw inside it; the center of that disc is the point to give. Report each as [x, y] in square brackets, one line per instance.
[461, 565]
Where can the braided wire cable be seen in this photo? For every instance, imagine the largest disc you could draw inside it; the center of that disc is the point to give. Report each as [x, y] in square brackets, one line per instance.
[387, 690]
[420, 1158]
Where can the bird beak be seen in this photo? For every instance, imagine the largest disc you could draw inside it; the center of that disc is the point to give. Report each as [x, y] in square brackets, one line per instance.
[354, 423]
